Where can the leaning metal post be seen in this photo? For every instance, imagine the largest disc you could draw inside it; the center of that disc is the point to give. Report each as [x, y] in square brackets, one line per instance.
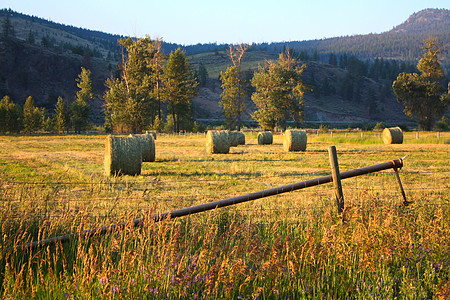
[405, 202]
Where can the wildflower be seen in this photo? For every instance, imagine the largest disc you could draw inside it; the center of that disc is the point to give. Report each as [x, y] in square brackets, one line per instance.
[114, 289]
[104, 280]
[437, 266]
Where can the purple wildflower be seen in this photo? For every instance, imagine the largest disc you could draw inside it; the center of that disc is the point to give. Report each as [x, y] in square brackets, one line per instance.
[104, 280]
[114, 289]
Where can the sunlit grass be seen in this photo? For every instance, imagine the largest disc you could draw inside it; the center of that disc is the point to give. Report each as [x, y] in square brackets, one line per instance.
[288, 246]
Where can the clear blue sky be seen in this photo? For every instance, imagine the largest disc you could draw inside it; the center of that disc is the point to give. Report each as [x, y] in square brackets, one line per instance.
[227, 21]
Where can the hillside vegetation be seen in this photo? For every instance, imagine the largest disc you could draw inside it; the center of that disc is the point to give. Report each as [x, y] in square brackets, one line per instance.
[43, 59]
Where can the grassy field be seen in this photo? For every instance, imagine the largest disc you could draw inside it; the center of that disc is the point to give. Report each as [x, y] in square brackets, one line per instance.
[290, 246]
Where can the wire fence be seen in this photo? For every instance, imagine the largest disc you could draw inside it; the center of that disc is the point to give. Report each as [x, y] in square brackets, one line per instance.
[103, 199]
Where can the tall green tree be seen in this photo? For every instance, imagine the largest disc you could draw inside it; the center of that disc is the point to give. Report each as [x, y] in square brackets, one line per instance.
[424, 95]
[202, 75]
[10, 116]
[279, 92]
[233, 95]
[157, 64]
[81, 107]
[7, 28]
[30, 38]
[61, 117]
[131, 103]
[179, 88]
[33, 117]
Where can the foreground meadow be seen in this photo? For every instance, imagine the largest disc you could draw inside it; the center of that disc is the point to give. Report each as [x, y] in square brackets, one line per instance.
[290, 246]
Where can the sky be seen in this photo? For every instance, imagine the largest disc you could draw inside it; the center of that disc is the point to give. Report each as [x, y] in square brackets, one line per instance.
[190, 22]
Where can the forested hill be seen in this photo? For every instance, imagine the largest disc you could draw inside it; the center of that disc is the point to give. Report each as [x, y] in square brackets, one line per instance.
[403, 42]
[66, 38]
[352, 76]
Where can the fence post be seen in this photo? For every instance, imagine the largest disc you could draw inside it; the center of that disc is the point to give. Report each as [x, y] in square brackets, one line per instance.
[405, 202]
[336, 178]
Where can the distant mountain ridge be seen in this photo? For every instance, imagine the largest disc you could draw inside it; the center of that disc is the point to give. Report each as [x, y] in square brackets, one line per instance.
[403, 42]
[395, 43]
[436, 19]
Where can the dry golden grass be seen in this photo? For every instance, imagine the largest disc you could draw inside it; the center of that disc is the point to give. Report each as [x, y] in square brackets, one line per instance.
[292, 245]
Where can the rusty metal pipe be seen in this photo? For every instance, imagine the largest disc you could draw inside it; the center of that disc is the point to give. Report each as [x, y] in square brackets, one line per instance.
[394, 164]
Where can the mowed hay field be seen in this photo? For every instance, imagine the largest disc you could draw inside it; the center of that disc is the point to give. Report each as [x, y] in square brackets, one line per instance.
[290, 246]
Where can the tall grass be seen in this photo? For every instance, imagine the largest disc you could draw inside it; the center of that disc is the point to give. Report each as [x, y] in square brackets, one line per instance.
[370, 137]
[291, 246]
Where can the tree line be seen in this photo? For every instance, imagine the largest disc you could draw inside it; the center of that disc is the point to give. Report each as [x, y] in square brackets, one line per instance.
[65, 117]
[152, 90]
[279, 88]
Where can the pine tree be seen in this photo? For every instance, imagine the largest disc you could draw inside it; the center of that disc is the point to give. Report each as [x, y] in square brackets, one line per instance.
[332, 60]
[30, 38]
[156, 78]
[424, 96]
[81, 107]
[232, 97]
[10, 116]
[132, 99]
[202, 75]
[32, 119]
[7, 28]
[179, 88]
[61, 117]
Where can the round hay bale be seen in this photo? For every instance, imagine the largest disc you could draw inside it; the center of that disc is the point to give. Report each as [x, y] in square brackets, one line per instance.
[236, 138]
[217, 142]
[265, 138]
[240, 138]
[295, 140]
[123, 156]
[393, 135]
[147, 146]
[153, 133]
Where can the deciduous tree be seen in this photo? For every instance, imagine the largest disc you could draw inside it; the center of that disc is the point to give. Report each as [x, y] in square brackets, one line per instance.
[279, 92]
[233, 95]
